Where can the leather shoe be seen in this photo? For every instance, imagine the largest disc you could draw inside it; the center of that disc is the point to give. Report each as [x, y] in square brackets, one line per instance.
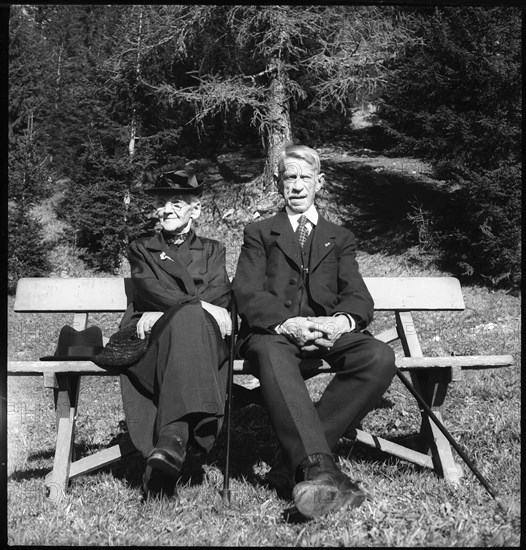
[167, 456]
[165, 462]
[325, 489]
[280, 477]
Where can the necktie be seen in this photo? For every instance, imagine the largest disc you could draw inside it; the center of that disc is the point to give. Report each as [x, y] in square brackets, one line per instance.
[301, 230]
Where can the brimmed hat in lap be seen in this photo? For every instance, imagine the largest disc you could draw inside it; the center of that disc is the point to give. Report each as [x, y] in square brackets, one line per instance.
[77, 345]
[171, 180]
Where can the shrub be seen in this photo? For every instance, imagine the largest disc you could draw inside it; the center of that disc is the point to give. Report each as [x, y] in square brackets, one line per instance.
[485, 237]
[105, 208]
[456, 100]
[458, 96]
[27, 254]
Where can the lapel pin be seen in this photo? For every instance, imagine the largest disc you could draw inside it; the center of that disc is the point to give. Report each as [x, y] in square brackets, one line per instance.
[327, 244]
[165, 256]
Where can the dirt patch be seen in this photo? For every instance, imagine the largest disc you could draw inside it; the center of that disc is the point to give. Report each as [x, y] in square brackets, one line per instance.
[45, 213]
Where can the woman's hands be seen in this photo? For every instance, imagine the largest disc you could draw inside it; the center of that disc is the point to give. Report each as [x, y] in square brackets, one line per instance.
[146, 322]
[221, 315]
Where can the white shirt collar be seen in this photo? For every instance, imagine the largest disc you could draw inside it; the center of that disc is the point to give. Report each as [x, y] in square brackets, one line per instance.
[311, 213]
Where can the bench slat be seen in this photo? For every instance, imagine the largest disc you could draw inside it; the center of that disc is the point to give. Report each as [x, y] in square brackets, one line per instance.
[21, 368]
[101, 294]
[88, 294]
[415, 293]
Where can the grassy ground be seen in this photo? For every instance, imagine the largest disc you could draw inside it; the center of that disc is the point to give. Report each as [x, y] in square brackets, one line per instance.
[409, 506]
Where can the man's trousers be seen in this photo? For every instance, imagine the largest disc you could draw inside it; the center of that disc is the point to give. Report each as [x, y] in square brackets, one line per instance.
[364, 369]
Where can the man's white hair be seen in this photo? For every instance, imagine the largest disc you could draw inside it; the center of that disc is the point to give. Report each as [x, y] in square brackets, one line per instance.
[301, 152]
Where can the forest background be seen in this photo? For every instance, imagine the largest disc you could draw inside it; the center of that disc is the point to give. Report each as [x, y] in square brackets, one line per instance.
[102, 96]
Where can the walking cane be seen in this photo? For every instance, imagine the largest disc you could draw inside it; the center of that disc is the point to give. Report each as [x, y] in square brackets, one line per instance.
[448, 436]
[225, 492]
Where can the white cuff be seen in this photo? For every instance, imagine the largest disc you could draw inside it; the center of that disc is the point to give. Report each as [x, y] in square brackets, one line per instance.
[352, 322]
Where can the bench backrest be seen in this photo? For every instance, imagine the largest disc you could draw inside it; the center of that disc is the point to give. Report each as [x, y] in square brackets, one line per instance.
[106, 294]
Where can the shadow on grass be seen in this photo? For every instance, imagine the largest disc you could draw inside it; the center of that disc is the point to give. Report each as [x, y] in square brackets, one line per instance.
[253, 441]
[375, 204]
[26, 475]
[130, 467]
[48, 453]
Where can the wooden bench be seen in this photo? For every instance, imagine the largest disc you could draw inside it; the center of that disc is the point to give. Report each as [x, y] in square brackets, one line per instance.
[431, 376]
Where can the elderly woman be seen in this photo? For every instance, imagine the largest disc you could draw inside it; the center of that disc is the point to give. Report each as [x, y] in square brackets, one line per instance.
[175, 393]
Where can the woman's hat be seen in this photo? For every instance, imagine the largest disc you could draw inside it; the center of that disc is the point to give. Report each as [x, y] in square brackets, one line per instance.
[171, 180]
[77, 345]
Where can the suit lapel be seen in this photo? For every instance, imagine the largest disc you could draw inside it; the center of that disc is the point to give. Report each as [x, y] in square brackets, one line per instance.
[169, 261]
[286, 240]
[322, 244]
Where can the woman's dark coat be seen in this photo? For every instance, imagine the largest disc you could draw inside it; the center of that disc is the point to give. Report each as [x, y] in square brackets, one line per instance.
[174, 280]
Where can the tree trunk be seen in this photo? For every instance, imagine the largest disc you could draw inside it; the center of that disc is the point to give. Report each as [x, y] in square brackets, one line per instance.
[279, 129]
[133, 125]
[57, 80]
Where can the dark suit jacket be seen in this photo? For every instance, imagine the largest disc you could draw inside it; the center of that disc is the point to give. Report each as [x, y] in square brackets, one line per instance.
[268, 274]
[195, 272]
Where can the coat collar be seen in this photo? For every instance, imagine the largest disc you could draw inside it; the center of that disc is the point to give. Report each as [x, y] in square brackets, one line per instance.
[157, 242]
[311, 214]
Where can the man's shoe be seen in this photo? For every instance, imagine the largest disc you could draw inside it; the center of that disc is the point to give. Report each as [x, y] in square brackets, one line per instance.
[325, 489]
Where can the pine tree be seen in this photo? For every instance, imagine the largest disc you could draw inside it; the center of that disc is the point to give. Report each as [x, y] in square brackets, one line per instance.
[456, 100]
[105, 216]
[27, 253]
[29, 175]
[261, 60]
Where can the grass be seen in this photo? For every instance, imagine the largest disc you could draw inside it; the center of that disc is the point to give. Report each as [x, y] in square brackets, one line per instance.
[409, 506]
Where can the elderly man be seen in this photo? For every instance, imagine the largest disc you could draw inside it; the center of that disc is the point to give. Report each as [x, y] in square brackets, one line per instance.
[299, 293]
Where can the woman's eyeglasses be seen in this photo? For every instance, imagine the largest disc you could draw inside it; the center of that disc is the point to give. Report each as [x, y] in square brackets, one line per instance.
[176, 202]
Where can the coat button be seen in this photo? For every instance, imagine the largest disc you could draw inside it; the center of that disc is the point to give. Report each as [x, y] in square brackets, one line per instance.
[288, 303]
[293, 281]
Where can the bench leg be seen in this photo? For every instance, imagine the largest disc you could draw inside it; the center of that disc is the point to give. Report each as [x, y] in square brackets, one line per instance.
[102, 458]
[433, 386]
[66, 402]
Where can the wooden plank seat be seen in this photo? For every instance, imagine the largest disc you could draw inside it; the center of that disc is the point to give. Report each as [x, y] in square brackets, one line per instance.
[431, 376]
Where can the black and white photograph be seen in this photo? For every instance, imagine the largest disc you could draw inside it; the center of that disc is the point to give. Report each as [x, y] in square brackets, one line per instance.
[263, 274]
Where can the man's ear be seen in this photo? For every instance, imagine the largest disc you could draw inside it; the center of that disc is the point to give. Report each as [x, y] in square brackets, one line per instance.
[196, 210]
[320, 181]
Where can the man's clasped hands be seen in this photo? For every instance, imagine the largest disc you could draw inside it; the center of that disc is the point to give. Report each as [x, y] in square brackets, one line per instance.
[313, 333]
